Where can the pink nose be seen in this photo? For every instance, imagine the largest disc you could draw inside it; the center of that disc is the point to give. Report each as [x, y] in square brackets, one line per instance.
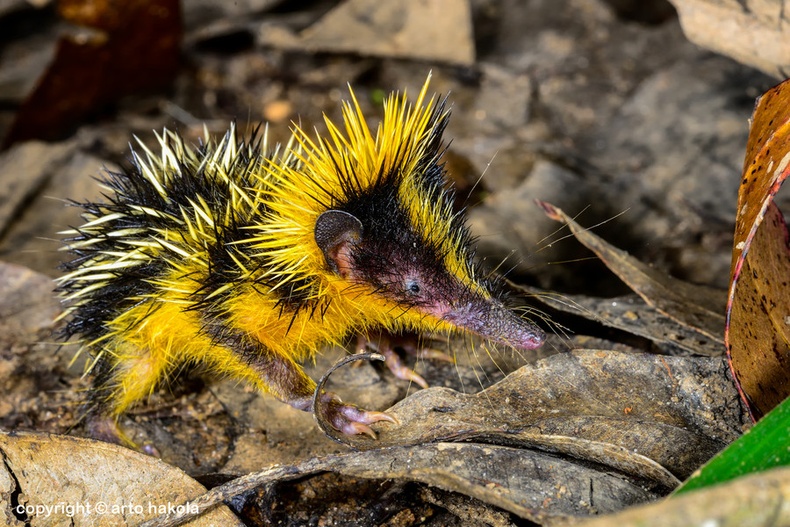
[493, 321]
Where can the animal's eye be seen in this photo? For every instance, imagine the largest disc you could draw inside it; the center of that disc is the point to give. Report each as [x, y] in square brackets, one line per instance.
[413, 288]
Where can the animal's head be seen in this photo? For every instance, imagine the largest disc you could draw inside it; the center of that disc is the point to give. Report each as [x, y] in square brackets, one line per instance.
[382, 221]
[405, 271]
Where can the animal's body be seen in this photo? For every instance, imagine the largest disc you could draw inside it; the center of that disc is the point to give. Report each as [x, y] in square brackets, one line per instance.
[247, 262]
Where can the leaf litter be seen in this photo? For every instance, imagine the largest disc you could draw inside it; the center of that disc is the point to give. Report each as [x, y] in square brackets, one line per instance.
[618, 421]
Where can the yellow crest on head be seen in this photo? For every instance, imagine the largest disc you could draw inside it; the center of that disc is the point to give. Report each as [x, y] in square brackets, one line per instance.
[326, 171]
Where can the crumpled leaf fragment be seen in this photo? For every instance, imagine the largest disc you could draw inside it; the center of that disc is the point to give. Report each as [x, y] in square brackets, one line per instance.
[430, 30]
[630, 313]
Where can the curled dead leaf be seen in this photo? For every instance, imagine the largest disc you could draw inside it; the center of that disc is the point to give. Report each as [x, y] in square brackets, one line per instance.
[758, 329]
[630, 313]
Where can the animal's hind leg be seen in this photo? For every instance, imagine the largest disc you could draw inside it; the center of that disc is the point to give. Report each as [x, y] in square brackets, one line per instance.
[133, 376]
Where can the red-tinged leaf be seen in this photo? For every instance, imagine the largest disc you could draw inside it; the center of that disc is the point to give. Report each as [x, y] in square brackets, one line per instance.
[758, 303]
[135, 47]
[757, 330]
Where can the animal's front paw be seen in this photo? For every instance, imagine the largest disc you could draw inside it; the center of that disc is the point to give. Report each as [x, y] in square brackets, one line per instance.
[350, 419]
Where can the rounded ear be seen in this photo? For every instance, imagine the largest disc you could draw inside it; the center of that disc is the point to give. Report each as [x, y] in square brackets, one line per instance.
[335, 231]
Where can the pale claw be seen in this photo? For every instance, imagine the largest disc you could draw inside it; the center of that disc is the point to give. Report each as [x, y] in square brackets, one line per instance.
[108, 430]
[432, 354]
[350, 419]
[399, 369]
[409, 341]
[386, 345]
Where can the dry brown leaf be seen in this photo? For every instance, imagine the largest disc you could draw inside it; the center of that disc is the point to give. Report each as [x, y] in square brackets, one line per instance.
[754, 33]
[104, 484]
[662, 413]
[531, 484]
[757, 500]
[433, 30]
[25, 169]
[633, 315]
[26, 304]
[697, 307]
[758, 331]
[574, 434]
